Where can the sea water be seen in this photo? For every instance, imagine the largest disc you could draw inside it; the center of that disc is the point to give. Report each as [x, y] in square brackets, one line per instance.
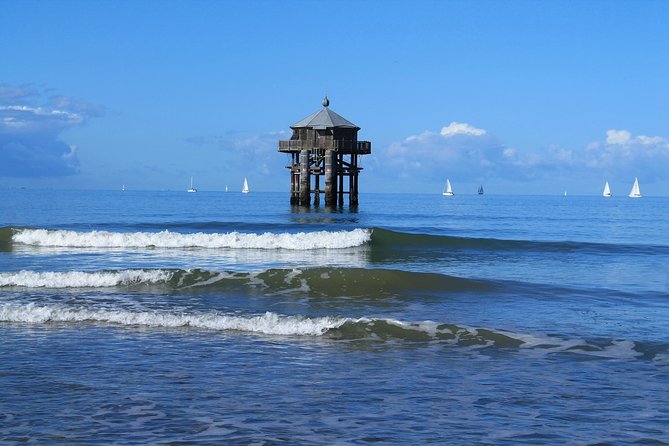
[221, 318]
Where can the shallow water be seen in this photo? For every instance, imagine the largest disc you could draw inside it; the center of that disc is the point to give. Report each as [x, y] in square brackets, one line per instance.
[166, 317]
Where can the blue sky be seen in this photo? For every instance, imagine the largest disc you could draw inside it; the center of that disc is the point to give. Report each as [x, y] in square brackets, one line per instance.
[524, 97]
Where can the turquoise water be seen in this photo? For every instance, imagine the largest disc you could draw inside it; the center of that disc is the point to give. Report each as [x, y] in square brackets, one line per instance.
[222, 318]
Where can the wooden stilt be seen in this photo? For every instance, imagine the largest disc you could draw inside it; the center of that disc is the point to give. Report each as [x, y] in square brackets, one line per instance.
[304, 178]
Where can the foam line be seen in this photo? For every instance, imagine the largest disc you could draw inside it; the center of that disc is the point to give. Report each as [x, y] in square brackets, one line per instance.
[82, 279]
[168, 239]
[268, 323]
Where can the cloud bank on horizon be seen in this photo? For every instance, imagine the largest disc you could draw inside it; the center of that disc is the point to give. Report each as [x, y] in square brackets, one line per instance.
[474, 154]
[30, 132]
[32, 145]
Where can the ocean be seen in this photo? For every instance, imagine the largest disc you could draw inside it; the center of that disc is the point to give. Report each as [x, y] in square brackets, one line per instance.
[164, 317]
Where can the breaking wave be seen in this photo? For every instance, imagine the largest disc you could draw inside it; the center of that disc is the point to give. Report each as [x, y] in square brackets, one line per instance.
[168, 239]
[314, 281]
[82, 279]
[382, 241]
[268, 323]
[330, 327]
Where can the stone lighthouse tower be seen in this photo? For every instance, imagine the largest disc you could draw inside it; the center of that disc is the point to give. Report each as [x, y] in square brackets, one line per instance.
[324, 144]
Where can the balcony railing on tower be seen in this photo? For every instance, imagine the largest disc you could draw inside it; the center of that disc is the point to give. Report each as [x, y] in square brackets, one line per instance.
[339, 145]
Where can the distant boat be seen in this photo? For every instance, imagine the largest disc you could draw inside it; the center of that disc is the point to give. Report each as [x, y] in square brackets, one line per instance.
[123, 187]
[191, 188]
[226, 187]
[245, 189]
[565, 193]
[635, 192]
[448, 190]
[481, 189]
[607, 190]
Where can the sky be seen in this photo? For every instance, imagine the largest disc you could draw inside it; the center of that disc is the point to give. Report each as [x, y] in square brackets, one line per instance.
[524, 97]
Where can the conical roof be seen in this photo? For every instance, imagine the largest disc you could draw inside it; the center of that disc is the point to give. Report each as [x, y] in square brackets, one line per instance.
[324, 119]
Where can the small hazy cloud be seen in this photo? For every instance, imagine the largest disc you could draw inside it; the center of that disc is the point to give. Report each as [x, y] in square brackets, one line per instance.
[30, 128]
[473, 153]
[256, 153]
[10, 94]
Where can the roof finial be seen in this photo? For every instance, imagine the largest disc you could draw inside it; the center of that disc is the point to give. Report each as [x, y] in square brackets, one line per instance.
[325, 101]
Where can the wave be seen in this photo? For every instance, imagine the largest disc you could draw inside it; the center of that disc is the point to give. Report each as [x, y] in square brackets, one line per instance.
[315, 282]
[168, 239]
[383, 241]
[268, 323]
[82, 279]
[328, 327]
[325, 281]
[6, 234]
[384, 238]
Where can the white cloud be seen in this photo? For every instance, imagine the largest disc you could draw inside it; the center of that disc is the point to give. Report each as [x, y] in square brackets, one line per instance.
[458, 147]
[618, 137]
[626, 154]
[461, 128]
[37, 119]
[473, 153]
[623, 137]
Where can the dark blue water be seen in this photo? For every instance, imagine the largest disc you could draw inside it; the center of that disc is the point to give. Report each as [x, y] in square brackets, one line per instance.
[222, 318]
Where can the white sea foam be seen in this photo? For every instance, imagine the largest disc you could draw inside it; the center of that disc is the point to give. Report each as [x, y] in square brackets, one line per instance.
[167, 239]
[82, 279]
[623, 349]
[618, 349]
[662, 359]
[268, 323]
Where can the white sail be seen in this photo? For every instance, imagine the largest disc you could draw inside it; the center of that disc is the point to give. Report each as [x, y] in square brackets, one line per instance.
[245, 189]
[448, 190]
[191, 188]
[635, 192]
[607, 190]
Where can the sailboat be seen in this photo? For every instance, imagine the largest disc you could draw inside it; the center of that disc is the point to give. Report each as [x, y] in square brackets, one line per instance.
[635, 192]
[448, 190]
[607, 190]
[481, 189]
[226, 187]
[123, 187]
[191, 188]
[245, 189]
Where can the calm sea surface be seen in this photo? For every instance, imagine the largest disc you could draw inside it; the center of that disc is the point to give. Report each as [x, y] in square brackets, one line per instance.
[222, 318]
